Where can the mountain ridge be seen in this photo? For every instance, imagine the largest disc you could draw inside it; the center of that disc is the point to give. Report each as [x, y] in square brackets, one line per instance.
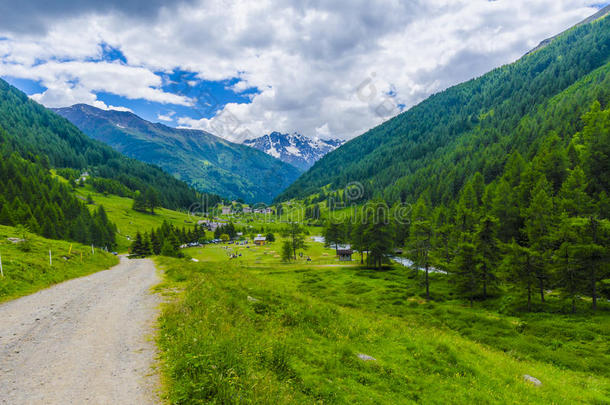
[203, 160]
[295, 149]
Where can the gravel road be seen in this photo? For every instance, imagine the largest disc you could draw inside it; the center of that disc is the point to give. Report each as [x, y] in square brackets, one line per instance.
[84, 341]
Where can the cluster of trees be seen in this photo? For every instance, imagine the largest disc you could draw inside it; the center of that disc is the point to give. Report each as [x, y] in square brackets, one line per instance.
[373, 230]
[147, 201]
[543, 224]
[31, 197]
[295, 240]
[228, 229]
[165, 240]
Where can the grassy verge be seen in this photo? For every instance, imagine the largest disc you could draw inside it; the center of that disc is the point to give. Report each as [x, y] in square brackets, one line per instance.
[28, 272]
[257, 331]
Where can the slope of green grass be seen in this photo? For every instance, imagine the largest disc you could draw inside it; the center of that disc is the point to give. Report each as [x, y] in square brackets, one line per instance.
[28, 271]
[128, 221]
[254, 330]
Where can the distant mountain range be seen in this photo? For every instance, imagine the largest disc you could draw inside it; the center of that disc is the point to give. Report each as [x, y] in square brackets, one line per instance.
[206, 162]
[295, 149]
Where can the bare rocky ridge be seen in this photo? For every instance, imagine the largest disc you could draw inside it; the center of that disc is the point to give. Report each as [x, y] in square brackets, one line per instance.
[87, 340]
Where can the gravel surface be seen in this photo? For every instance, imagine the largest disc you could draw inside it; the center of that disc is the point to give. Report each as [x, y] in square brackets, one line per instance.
[84, 341]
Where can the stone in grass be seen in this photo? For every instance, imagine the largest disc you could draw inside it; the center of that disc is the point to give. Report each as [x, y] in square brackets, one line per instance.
[366, 357]
[536, 382]
[252, 299]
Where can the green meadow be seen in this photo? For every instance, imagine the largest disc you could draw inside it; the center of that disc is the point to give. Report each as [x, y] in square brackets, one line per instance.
[128, 221]
[256, 330]
[27, 269]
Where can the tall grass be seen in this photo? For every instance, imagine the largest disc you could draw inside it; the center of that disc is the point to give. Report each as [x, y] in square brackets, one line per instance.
[292, 334]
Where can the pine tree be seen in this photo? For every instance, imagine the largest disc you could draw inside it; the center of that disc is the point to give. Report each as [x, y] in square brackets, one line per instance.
[465, 271]
[505, 207]
[137, 246]
[421, 239]
[286, 251]
[594, 254]
[146, 245]
[139, 202]
[6, 217]
[151, 196]
[539, 228]
[518, 265]
[596, 156]
[378, 233]
[573, 197]
[487, 251]
[155, 242]
[333, 234]
[167, 249]
[566, 265]
[442, 237]
[294, 232]
[466, 216]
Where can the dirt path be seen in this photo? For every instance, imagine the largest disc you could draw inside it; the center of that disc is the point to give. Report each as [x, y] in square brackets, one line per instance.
[85, 341]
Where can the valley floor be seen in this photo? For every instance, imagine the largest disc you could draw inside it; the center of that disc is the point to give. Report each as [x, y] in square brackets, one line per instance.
[87, 340]
[254, 330]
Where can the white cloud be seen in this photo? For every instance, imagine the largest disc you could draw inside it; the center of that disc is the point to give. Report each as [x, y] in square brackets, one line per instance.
[322, 68]
[166, 117]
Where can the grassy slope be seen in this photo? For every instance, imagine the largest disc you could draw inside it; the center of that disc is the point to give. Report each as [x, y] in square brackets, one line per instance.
[27, 272]
[128, 221]
[299, 342]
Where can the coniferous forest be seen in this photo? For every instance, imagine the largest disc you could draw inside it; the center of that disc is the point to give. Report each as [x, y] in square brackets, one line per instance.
[31, 197]
[507, 188]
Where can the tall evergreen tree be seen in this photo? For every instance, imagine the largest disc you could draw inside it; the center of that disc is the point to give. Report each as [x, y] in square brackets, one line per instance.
[421, 237]
[487, 251]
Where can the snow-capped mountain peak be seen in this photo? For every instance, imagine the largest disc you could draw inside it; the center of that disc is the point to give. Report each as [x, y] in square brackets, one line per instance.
[296, 149]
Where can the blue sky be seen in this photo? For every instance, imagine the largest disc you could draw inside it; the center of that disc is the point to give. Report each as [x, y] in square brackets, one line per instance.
[240, 69]
[208, 96]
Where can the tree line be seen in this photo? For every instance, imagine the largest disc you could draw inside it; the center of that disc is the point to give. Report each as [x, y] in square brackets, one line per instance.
[165, 240]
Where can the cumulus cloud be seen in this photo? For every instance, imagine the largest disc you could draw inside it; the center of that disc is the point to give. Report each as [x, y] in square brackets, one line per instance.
[322, 68]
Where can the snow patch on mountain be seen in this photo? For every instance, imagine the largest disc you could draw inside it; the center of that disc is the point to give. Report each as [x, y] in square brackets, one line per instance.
[295, 149]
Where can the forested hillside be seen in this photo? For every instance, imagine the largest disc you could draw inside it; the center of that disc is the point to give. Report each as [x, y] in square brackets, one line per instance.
[206, 162]
[438, 145]
[32, 198]
[509, 202]
[35, 132]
